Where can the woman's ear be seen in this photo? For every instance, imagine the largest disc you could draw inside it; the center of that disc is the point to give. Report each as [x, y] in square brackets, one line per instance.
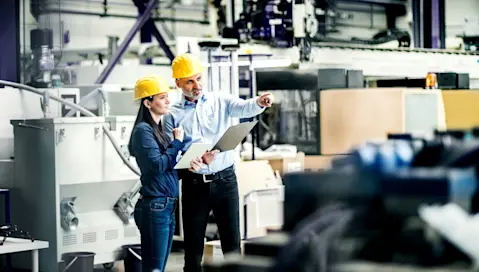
[146, 103]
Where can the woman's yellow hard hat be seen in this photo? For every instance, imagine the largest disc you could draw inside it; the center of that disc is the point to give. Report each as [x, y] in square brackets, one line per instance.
[186, 65]
[150, 86]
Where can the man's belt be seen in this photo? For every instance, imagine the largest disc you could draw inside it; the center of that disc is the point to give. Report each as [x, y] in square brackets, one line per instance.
[211, 177]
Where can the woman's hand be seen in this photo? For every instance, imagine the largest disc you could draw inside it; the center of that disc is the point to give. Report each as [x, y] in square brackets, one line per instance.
[209, 156]
[195, 164]
[178, 134]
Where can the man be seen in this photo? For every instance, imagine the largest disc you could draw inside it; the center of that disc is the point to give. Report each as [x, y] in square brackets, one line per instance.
[205, 117]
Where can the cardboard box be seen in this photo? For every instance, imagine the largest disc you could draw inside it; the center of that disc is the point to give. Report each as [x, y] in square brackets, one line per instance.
[263, 209]
[213, 253]
[253, 175]
[461, 108]
[350, 117]
[287, 165]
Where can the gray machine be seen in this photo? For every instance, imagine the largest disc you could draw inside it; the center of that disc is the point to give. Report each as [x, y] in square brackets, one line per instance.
[43, 60]
[17, 104]
[68, 178]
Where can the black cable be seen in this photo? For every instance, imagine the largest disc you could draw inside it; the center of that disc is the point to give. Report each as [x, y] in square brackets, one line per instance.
[313, 237]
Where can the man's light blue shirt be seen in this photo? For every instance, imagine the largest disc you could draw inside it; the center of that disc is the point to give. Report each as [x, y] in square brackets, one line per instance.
[207, 120]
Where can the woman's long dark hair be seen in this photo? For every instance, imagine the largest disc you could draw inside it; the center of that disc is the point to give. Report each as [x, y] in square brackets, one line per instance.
[144, 115]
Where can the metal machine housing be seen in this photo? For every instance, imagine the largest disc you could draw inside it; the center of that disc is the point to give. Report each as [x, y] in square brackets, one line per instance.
[68, 167]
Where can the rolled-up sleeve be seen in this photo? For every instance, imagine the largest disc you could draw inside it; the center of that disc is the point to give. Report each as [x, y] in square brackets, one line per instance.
[240, 108]
[168, 125]
[147, 150]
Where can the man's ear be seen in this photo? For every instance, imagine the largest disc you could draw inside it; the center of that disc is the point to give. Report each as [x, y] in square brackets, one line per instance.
[177, 81]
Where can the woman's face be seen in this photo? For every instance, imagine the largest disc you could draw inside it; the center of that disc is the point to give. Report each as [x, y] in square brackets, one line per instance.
[159, 105]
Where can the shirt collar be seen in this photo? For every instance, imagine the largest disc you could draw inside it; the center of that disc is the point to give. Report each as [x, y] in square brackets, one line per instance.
[185, 103]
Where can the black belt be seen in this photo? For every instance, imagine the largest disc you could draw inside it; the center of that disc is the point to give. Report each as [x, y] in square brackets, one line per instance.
[209, 178]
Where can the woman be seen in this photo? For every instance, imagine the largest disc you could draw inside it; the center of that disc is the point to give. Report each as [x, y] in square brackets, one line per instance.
[156, 157]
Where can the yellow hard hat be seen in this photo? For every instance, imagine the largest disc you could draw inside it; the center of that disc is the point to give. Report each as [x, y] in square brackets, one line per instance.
[186, 65]
[149, 86]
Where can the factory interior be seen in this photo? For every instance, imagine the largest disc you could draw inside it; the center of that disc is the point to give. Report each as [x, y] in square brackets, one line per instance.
[367, 159]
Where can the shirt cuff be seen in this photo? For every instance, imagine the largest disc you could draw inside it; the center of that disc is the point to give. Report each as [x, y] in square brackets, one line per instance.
[176, 143]
[257, 106]
[204, 169]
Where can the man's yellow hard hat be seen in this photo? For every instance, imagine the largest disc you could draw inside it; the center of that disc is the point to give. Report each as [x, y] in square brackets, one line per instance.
[186, 65]
[150, 86]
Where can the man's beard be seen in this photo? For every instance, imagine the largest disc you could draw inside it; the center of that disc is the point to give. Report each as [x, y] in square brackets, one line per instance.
[191, 95]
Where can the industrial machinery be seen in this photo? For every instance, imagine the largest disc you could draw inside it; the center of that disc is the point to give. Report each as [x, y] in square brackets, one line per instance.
[376, 62]
[74, 181]
[283, 23]
[294, 119]
[17, 104]
[271, 21]
[43, 61]
[79, 172]
[106, 100]
[377, 206]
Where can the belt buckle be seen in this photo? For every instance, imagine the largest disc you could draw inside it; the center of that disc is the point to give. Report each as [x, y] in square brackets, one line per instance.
[205, 180]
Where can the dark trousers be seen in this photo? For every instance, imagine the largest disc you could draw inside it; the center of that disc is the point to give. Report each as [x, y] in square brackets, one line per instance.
[155, 218]
[198, 199]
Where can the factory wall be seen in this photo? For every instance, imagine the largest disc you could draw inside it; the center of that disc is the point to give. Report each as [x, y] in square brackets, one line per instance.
[90, 32]
[362, 21]
[363, 25]
[456, 14]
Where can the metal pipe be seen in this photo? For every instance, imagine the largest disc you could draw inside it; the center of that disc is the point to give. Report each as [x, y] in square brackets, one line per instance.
[24, 62]
[361, 10]
[251, 94]
[376, 2]
[218, 88]
[210, 70]
[435, 35]
[102, 2]
[125, 16]
[421, 15]
[234, 74]
[170, 34]
[124, 45]
[229, 13]
[84, 112]
[88, 97]
[46, 104]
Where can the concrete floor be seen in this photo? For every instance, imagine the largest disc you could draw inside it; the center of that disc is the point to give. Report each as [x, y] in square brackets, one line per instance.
[175, 264]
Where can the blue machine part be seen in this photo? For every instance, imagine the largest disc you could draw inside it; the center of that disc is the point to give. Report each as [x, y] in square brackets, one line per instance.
[420, 186]
[273, 21]
[384, 157]
[394, 154]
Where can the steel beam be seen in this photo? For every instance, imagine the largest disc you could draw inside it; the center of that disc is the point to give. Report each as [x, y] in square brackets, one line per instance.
[429, 23]
[169, 33]
[124, 44]
[150, 26]
[377, 2]
[435, 25]
[10, 40]
[124, 16]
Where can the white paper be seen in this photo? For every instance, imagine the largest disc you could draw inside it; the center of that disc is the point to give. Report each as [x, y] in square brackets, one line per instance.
[195, 150]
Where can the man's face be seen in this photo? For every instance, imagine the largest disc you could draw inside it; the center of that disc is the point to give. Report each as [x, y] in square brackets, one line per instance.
[192, 86]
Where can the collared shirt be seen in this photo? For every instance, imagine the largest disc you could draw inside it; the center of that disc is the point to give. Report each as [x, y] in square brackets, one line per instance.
[156, 162]
[207, 120]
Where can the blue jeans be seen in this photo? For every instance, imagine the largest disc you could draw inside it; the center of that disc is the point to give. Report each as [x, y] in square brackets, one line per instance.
[155, 218]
